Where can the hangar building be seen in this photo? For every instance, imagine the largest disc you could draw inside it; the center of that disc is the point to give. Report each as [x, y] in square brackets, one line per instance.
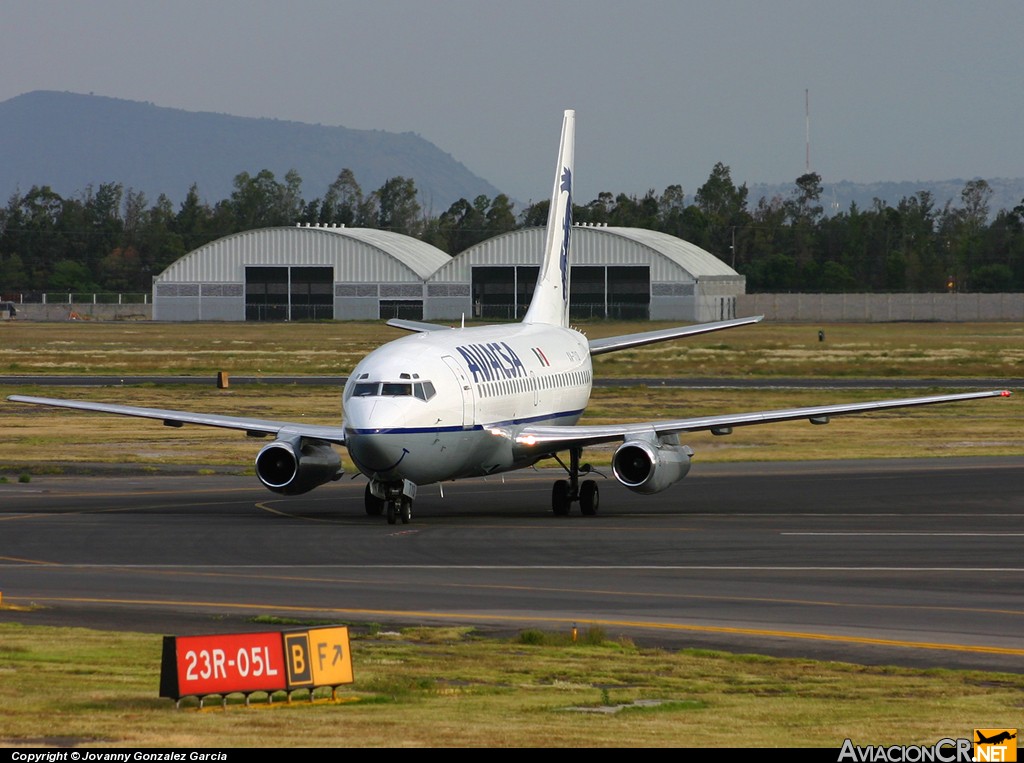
[342, 273]
[298, 273]
[617, 273]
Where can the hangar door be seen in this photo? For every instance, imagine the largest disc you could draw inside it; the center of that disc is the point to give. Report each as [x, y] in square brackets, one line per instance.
[617, 292]
[503, 292]
[289, 293]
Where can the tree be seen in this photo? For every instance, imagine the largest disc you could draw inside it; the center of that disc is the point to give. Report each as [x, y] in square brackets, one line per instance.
[536, 215]
[34, 230]
[804, 205]
[975, 197]
[191, 223]
[342, 202]
[261, 201]
[397, 208]
[719, 198]
[459, 227]
[121, 270]
[992, 279]
[724, 209]
[70, 276]
[500, 216]
[963, 229]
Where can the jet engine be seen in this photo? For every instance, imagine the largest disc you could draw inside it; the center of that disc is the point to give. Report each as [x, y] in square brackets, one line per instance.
[650, 466]
[298, 465]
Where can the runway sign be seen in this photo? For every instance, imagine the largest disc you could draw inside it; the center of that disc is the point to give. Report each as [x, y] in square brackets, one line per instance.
[249, 662]
[318, 657]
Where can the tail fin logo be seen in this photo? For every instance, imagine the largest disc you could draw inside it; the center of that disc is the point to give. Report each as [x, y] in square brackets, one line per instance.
[566, 227]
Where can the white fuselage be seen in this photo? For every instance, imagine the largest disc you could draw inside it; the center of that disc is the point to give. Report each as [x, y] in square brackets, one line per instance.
[441, 405]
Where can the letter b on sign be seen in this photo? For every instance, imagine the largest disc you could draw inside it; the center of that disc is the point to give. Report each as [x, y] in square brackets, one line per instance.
[296, 647]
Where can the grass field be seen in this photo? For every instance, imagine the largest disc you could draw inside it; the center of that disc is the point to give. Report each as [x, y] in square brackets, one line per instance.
[333, 348]
[954, 351]
[451, 687]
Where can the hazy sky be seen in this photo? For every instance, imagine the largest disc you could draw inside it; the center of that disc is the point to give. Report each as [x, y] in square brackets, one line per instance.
[662, 90]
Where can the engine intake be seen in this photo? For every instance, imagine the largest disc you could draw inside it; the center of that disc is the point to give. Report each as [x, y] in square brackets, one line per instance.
[650, 467]
[293, 467]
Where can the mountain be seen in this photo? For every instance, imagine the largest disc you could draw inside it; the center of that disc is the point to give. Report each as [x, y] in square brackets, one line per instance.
[836, 197]
[70, 141]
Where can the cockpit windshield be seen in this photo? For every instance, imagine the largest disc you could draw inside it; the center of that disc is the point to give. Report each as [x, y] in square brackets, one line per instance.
[422, 390]
[365, 389]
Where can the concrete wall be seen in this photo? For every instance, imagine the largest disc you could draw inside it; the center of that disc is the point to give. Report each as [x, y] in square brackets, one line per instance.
[871, 308]
[86, 311]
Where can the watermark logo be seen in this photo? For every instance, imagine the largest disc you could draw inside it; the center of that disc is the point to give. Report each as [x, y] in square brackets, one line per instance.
[998, 745]
[988, 746]
[944, 751]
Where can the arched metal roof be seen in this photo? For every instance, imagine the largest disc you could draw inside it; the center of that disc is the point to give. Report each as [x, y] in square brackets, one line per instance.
[690, 257]
[358, 254]
[593, 245]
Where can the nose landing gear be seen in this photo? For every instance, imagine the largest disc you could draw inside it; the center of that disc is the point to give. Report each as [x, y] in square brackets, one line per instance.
[400, 507]
[393, 500]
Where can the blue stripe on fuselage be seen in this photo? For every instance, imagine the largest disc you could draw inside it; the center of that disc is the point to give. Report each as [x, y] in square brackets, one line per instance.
[510, 422]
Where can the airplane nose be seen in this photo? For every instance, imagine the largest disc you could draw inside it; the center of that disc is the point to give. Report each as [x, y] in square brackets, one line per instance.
[371, 415]
[374, 437]
[377, 455]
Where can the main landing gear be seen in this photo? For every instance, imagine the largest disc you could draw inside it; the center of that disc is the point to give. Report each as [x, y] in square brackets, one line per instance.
[396, 503]
[565, 492]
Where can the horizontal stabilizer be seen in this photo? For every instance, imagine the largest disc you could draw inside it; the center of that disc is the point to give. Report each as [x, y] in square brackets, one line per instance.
[418, 326]
[613, 343]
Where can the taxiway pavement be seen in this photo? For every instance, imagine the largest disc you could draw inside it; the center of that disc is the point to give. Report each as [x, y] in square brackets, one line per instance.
[911, 562]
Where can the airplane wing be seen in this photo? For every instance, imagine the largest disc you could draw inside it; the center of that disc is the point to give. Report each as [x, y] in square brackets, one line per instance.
[554, 438]
[252, 427]
[613, 343]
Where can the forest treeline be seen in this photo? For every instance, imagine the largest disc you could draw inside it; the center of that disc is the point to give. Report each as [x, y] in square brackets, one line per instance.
[111, 238]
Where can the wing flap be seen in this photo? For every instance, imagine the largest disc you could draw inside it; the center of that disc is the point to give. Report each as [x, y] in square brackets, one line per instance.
[549, 438]
[252, 427]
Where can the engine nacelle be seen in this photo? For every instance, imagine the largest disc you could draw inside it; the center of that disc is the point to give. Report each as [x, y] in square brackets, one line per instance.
[650, 467]
[296, 466]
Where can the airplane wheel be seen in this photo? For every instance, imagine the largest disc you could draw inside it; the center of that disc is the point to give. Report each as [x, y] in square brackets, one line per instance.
[560, 502]
[406, 510]
[589, 498]
[392, 513]
[374, 505]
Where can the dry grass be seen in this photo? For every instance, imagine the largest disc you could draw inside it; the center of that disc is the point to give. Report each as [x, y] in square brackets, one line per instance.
[333, 348]
[850, 350]
[449, 687]
[38, 439]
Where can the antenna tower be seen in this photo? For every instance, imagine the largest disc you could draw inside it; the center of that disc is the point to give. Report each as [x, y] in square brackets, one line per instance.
[807, 122]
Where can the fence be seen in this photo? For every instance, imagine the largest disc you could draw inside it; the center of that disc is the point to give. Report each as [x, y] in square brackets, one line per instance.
[872, 308]
[61, 298]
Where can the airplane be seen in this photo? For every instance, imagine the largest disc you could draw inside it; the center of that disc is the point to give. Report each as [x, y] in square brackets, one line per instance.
[1002, 736]
[447, 403]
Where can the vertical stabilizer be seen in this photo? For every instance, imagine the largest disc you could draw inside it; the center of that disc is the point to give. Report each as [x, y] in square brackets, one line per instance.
[550, 302]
